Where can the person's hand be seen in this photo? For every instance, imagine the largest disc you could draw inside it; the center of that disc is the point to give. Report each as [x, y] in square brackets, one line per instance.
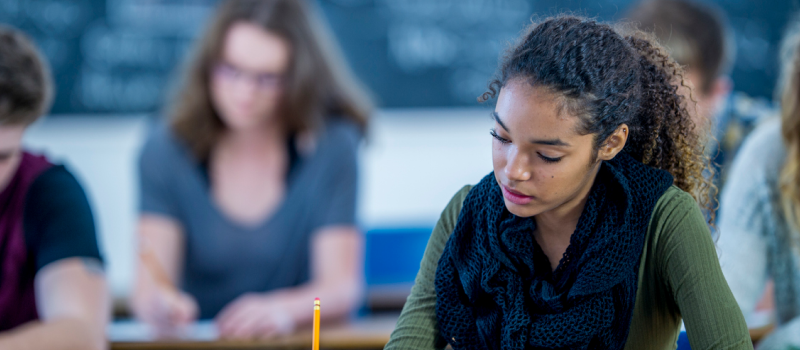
[168, 309]
[254, 316]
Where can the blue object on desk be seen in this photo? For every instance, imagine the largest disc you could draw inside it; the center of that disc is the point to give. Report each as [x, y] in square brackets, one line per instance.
[393, 254]
[683, 341]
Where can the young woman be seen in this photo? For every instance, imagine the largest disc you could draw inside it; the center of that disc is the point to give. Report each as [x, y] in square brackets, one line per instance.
[248, 195]
[587, 234]
[759, 221]
[53, 292]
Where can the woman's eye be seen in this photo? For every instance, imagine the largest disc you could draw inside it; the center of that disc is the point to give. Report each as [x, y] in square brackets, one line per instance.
[498, 137]
[549, 159]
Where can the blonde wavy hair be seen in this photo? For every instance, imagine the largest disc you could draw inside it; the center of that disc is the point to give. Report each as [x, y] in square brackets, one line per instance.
[789, 97]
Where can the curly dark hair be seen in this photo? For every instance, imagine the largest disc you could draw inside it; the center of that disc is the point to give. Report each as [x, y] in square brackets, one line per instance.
[610, 76]
[26, 89]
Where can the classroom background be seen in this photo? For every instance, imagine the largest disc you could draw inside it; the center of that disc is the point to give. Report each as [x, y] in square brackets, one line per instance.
[425, 61]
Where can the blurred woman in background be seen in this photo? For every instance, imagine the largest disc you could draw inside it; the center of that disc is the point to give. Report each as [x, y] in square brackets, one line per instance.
[760, 209]
[248, 195]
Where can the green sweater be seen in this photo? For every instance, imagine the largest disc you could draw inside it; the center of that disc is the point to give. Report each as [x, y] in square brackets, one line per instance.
[679, 276]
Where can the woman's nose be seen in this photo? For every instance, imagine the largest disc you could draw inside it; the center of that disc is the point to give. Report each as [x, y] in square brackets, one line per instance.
[517, 167]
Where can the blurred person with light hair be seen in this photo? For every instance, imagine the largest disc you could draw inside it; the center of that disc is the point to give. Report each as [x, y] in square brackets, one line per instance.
[248, 193]
[53, 292]
[760, 209]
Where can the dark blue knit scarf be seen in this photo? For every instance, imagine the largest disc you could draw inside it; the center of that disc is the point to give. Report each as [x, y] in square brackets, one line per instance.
[494, 285]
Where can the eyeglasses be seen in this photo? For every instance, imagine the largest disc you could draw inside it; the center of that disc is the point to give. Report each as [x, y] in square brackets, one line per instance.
[263, 81]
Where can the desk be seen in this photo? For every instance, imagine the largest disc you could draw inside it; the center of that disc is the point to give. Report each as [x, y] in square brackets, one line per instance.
[370, 332]
[756, 334]
[760, 323]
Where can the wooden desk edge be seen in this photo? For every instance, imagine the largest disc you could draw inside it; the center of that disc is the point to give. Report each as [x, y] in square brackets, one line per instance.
[757, 334]
[368, 333]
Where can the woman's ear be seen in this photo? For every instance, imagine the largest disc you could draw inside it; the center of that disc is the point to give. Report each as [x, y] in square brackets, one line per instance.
[614, 143]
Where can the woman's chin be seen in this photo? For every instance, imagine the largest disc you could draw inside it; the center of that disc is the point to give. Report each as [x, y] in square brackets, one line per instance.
[523, 211]
[244, 123]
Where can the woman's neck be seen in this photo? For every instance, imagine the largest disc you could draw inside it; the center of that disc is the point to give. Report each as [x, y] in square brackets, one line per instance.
[254, 140]
[555, 227]
[561, 222]
[247, 172]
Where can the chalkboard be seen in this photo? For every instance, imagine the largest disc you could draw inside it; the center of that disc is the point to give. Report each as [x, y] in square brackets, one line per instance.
[121, 56]
[110, 56]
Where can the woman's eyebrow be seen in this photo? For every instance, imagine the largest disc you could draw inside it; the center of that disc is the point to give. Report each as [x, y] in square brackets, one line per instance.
[550, 142]
[497, 119]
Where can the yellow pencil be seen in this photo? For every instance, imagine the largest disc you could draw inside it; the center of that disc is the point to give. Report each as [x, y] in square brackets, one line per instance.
[152, 265]
[315, 343]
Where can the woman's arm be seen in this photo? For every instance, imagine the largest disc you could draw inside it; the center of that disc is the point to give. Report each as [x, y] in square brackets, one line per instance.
[742, 255]
[156, 299]
[337, 278]
[691, 272]
[746, 218]
[417, 327]
[73, 304]
[784, 338]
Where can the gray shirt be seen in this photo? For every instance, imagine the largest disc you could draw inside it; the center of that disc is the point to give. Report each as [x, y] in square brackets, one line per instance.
[755, 241]
[224, 259]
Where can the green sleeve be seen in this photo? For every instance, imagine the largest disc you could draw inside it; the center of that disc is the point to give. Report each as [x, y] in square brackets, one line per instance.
[416, 328]
[690, 269]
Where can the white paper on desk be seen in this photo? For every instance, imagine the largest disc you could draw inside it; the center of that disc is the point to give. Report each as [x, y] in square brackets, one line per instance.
[760, 318]
[135, 331]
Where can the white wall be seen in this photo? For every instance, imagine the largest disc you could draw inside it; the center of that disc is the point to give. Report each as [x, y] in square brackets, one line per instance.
[415, 160]
[412, 163]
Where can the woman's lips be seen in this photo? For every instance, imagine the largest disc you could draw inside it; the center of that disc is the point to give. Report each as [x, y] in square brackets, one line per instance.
[515, 197]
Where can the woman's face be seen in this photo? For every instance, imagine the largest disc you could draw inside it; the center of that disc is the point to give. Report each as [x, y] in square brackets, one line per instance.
[540, 160]
[10, 152]
[246, 83]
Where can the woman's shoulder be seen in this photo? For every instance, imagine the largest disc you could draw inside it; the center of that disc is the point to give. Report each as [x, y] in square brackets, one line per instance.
[447, 221]
[676, 219]
[340, 131]
[457, 201]
[763, 149]
[754, 176]
[766, 134]
[674, 205]
[450, 213]
[336, 138]
[674, 198]
[162, 145]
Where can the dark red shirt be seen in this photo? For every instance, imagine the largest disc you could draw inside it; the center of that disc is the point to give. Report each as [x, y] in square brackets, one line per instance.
[44, 216]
